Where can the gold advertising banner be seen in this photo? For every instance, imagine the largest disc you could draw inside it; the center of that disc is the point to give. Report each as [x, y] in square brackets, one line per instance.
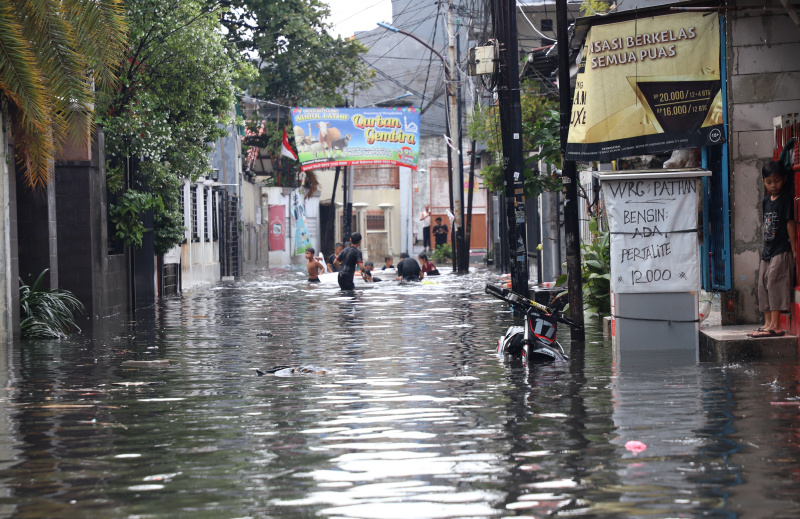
[647, 85]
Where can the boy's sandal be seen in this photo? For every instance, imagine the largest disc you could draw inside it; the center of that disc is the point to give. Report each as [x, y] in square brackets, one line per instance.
[767, 333]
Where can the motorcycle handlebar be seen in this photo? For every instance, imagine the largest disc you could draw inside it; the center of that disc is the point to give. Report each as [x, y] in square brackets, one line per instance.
[517, 299]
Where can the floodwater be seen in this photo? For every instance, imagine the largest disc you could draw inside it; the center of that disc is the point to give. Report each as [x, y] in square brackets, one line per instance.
[414, 418]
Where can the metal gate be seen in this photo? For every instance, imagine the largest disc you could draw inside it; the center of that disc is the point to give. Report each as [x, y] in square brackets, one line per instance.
[229, 242]
[716, 258]
[143, 271]
[716, 249]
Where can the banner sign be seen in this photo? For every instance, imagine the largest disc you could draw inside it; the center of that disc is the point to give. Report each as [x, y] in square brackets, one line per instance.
[277, 227]
[302, 240]
[330, 137]
[647, 85]
[653, 225]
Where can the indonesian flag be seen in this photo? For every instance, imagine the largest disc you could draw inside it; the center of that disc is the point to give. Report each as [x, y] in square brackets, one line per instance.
[286, 148]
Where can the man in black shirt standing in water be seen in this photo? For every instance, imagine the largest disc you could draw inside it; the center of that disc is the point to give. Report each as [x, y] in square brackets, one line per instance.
[349, 258]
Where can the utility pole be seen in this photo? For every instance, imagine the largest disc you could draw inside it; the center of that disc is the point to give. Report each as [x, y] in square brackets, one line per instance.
[347, 191]
[456, 200]
[511, 130]
[463, 246]
[569, 175]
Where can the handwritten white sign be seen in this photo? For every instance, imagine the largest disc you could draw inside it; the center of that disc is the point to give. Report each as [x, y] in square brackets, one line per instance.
[653, 225]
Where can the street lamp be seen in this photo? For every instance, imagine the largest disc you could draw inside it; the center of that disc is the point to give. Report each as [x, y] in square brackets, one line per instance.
[451, 110]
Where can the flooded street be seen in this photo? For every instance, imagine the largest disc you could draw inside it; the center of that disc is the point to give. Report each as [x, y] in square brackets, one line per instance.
[413, 417]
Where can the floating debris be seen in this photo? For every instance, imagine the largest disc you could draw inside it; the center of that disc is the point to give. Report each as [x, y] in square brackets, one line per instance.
[265, 334]
[282, 371]
[635, 446]
[145, 363]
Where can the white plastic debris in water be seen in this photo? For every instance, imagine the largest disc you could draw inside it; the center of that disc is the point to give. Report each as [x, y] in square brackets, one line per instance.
[143, 488]
[705, 304]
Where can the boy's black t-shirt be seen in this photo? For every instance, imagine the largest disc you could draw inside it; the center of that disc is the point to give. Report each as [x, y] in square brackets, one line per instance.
[408, 268]
[440, 232]
[331, 262]
[776, 215]
[349, 257]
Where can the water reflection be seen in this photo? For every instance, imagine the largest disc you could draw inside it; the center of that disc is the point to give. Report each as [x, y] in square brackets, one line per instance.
[414, 417]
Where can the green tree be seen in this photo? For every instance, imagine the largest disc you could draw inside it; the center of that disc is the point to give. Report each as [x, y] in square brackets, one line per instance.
[176, 90]
[53, 55]
[298, 61]
[540, 141]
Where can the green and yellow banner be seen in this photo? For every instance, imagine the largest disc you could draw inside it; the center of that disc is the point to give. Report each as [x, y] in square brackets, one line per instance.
[647, 85]
[330, 137]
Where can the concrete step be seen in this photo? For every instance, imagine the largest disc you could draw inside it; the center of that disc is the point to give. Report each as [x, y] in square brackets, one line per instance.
[731, 343]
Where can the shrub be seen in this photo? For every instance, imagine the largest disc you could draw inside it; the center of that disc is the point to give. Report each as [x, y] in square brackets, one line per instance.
[595, 272]
[47, 313]
[442, 253]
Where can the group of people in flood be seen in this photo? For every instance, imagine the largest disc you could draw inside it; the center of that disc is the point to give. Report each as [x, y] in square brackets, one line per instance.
[347, 261]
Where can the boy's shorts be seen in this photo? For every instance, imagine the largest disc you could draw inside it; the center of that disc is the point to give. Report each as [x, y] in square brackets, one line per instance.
[775, 283]
[346, 281]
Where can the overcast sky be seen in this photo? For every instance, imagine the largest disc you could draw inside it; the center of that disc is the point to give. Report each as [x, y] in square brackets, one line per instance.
[358, 15]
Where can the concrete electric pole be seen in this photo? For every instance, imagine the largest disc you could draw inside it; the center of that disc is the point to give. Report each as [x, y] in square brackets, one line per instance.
[569, 174]
[456, 190]
[505, 24]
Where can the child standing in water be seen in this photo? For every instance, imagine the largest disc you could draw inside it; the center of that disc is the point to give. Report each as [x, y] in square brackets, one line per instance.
[777, 257]
[350, 259]
[313, 266]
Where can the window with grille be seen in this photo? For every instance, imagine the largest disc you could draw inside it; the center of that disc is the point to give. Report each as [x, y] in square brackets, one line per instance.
[376, 221]
[547, 24]
[214, 216]
[182, 204]
[206, 227]
[195, 235]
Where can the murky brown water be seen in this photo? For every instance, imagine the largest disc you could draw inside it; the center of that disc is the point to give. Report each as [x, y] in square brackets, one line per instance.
[415, 417]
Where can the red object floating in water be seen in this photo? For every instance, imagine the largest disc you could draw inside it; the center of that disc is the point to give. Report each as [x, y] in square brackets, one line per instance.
[635, 447]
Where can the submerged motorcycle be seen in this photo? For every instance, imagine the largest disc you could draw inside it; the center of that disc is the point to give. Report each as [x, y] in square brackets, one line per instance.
[536, 340]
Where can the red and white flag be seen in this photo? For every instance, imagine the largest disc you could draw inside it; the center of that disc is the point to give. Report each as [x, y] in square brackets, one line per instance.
[286, 148]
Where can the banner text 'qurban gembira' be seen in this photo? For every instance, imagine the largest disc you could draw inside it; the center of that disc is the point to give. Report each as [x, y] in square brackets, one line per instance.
[330, 137]
[647, 85]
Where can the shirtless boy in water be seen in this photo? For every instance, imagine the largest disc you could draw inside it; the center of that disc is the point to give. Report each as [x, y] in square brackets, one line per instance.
[314, 266]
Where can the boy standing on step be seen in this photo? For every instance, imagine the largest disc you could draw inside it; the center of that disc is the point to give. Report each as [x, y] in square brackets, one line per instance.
[777, 257]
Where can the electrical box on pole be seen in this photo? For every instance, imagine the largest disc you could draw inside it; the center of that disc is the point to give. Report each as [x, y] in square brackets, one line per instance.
[482, 60]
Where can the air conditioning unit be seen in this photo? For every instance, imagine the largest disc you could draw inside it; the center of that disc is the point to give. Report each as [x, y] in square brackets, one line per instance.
[482, 60]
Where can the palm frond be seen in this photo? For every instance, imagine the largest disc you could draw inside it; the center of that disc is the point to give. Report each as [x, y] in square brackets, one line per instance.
[20, 75]
[51, 54]
[65, 71]
[103, 25]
